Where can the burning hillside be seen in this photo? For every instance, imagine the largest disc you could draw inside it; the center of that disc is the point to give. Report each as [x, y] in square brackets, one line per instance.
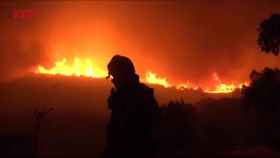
[86, 67]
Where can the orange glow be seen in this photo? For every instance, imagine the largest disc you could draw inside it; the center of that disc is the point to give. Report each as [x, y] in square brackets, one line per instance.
[187, 85]
[86, 67]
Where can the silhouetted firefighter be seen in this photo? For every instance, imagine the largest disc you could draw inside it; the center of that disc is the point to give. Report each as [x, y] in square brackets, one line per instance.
[134, 114]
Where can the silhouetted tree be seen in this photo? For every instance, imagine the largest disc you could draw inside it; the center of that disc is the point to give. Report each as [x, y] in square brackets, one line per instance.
[264, 92]
[263, 95]
[269, 34]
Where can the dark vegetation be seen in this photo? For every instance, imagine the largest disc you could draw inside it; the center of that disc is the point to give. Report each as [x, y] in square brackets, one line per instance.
[262, 97]
[269, 35]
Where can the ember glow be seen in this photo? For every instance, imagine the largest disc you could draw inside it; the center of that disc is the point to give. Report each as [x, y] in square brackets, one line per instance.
[86, 67]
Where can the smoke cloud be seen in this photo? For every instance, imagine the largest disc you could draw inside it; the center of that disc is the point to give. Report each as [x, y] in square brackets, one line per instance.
[179, 40]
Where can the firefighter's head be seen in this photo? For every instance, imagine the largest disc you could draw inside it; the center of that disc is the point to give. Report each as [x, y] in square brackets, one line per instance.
[121, 69]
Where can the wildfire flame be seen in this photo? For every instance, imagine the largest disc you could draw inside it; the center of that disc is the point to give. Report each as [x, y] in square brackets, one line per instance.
[221, 87]
[77, 68]
[87, 68]
[225, 88]
[152, 78]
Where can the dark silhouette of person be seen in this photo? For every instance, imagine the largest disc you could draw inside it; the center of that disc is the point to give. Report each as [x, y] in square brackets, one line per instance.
[132, 128]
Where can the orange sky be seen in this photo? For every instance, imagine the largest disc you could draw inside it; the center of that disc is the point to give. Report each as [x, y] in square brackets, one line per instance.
[179, 40]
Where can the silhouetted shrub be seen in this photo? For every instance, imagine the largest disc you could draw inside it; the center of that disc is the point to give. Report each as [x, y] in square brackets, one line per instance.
[176, 129]
[263, 96]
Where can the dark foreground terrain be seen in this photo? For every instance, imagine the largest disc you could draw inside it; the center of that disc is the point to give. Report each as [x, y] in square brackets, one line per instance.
[211, 126]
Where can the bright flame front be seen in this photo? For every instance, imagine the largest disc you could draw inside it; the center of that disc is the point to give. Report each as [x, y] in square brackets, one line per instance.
[222, 87]
[152, 78]
[77, 68]
[86, 67]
